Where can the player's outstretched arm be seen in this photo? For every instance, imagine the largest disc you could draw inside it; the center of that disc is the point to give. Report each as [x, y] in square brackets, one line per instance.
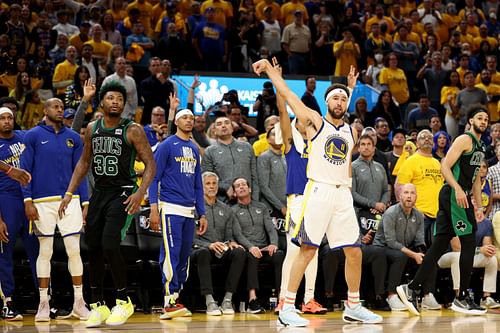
[305, 114]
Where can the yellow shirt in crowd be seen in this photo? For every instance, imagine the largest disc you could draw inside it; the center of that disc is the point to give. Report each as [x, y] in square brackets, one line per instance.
[395, 80]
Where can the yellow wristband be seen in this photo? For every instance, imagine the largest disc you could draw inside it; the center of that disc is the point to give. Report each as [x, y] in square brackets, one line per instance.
[68, 193]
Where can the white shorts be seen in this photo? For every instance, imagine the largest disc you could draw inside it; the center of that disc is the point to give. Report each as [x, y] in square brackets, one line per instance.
[70, 224]
[327, 209]
[294, 206]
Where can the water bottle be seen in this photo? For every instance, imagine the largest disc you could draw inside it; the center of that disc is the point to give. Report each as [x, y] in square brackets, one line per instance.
[273, 300]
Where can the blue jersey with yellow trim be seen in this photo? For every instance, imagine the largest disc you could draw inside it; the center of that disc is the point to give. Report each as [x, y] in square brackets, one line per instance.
[296, 165]
[179, 173]
[10, 153]
[330, 154]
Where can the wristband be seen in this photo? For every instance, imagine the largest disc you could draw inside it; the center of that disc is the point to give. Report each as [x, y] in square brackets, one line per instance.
[69, 193]
[10, 169]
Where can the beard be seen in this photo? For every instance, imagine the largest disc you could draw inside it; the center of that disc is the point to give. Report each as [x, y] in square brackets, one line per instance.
[336, 115]
[477, 129]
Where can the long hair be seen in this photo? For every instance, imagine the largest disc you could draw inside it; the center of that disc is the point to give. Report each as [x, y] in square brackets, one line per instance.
[20, 89]
[77, 84]
[435, 139]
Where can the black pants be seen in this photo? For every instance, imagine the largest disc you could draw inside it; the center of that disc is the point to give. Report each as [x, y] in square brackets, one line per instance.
[252, 268]
[107, 222]
[203, 258]
[330, 261]
[376, 258]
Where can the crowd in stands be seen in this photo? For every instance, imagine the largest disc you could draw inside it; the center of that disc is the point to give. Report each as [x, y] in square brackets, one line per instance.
[430, 60]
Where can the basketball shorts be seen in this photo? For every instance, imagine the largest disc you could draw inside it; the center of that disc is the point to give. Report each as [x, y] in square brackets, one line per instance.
[327, 209]
[71, 223]
[294, 207]
[451, 218]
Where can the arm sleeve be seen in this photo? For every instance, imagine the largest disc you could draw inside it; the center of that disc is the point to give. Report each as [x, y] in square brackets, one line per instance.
[79, 116]
[83, 189]
[161, 156]
[27, 159]
[198, 190]
[263, 173]
[389, 221]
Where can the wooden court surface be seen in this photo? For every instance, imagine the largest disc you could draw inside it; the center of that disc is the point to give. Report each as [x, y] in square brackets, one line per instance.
[444, 321]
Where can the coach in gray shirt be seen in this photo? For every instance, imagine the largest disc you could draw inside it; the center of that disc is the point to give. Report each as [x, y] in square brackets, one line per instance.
[271, 170]
[229, 159]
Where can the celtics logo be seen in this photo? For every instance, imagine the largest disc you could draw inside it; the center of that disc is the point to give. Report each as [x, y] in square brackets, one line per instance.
[461, 226]
[336, 149]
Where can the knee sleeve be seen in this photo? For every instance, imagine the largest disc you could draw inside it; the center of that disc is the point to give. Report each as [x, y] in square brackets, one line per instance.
[44, 256]
[72, 245]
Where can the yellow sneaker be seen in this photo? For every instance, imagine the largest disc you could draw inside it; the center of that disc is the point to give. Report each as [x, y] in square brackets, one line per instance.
[120, 313]
[98, 314]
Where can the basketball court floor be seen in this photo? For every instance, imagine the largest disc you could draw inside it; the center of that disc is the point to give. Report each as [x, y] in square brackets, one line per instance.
[444, 321]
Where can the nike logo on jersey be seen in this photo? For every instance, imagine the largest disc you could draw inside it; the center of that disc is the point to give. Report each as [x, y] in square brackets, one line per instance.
[2, 145]
[44, 142]
[176, 143]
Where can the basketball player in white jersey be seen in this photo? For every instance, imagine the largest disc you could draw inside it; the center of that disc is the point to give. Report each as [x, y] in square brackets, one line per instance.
[328, 204]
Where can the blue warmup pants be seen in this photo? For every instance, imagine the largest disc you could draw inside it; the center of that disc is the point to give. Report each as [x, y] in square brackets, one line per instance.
[12, 211]
[178, 233]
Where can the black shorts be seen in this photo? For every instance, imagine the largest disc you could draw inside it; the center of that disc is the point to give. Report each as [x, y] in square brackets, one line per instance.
[107, 218]
[452, 219]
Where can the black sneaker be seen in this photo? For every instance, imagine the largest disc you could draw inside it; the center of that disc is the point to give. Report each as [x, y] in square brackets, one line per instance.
[254, 307]
[380, 304]
[9, 313]
[409, 297]
[330, 301]
[467, 305]
[59, 314]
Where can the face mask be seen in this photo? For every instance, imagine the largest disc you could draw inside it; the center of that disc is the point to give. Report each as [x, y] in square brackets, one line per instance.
[379, 57]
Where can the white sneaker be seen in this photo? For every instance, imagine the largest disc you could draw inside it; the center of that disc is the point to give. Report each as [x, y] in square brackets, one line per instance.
[43, 313]
[489, 303]
[395, 303]
[430, 303]
[80, 310]
[213, 309]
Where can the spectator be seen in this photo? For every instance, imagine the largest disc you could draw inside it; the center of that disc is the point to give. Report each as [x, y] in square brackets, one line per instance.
[223, 11]
[78, 40]
[255, 230]
[491, 66]
[117, 10]
[125, 26]
[111, 34]
[378, 156]
[449, 94]
[270, 29]
[494, 135]
[492, 93]
[308, 98]
[468, 96]
[16, 29]
[408, 55]
[289, 11]
[100, 46]
[58, 52]
[210, 43]
[229, 159]
[419, 117]
[371, 196]
[322, 48]
[393, 157]
[42, 34]
[423, 171]
[32, 111]
[137, 41]
[434, 77]
[382, 128]
[156, 128]
[429, 15]
[401, 234]
[387, 109]
[195, 18]
[375, 43]
[154, 89]
[442, 143]
[217, 244]
[271, 171]
[347, 53]
[372, 73]
[483, 36]
[262, 144]
[63, 26]
[129, 84]
[296, 42]
[23, 84]
[74, 92]
[240, 125]
[360, 110]
[477, 13]
[435, 124]
[173, 47]
[446, 63]
[379, 19]
[145, 13]
[394, 79]
[64, 73]
[115, 52]
[265, 106]
[87, 59]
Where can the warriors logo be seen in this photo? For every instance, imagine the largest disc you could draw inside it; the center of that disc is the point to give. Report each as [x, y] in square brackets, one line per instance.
[336, 149]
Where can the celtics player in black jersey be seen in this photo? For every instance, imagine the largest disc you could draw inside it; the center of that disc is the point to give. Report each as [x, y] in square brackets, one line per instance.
[459, 209]
[111, 145]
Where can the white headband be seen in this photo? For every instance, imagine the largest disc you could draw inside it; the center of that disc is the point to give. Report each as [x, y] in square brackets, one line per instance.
[6, 110]
[335, 91]
[182, 113]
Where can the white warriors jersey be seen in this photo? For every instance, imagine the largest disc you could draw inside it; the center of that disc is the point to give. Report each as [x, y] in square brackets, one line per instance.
[330, 154]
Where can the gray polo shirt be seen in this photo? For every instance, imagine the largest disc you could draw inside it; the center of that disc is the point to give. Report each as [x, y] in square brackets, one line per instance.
[220, 219]
[254, 225]
[271, 171]
[369, 183]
